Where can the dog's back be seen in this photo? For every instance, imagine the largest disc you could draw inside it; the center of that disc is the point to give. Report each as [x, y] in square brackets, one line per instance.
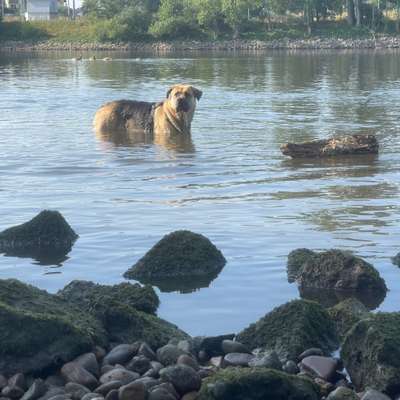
[124, 114]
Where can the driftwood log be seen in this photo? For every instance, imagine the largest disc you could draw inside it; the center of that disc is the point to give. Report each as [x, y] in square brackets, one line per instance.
[337, 146]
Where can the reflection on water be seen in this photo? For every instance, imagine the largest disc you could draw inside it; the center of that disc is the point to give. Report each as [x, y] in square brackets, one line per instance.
[230, 182]
[42, 256]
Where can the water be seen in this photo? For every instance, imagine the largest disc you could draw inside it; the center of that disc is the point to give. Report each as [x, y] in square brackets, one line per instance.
[232, 183]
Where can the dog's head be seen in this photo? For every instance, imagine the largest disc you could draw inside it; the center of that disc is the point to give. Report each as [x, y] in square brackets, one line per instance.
[182, 98]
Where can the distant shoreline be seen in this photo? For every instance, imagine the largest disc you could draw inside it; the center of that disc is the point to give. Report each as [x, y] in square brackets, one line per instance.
[381, 42]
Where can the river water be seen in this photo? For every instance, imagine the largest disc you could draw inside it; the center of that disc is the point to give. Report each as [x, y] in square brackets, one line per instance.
[231, 183]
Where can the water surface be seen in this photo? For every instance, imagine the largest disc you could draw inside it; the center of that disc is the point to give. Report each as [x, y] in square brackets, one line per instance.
[231, 183]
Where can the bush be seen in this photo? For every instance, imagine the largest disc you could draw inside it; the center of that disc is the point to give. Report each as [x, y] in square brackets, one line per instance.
[16, 30]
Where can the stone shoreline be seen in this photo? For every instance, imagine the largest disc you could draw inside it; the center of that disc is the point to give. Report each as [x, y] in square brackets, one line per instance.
[381, 42]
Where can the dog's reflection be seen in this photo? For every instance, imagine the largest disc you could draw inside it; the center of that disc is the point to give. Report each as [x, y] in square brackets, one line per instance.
[133, 138]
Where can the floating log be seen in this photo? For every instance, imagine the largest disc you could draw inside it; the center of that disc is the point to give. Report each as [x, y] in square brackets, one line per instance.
[337, 146]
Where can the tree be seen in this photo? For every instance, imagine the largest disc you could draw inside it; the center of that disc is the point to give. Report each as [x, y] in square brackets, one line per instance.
[208, 15]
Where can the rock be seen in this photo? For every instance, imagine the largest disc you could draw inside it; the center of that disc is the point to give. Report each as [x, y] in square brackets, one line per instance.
[105, 388]
[48, 232]
[180, 254]
[188, 360]
[237, 359]
[60, 397]
[371, 353]
[337, 146]
[346, 314]
[190, 396]
[18, 380]
[52, 392]
[321, 367]
[54, 331]
[55, 380]
[372, 394]
[134, 390]
[217, 361]
[148, 382]
[3, 382]
[231, 346]
[156, 366]
[139, 364]
[296, 260]
[120, 354]
[212, 345]
[161, 394]
[112, 395]
[169, 387]
[87, 294]
[342, 393]
[92, 396]
[314, 351]
[89, 362]
[257, 384]
[76, 390]
[292, 328]
[13, 392]
[186, 346]
[73, 372]
[324, 386]
[99, 352]
[119, 374]
[120, 317]
[267, 360]
[184, 378]
[396, 260]
[339, 270]
[291, 367]
[146, 351]
[169, 354]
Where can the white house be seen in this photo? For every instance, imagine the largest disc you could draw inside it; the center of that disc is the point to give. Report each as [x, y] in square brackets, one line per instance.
[39, 9]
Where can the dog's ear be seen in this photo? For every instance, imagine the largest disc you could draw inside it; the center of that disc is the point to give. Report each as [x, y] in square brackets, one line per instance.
[169, 91]
[197, 93]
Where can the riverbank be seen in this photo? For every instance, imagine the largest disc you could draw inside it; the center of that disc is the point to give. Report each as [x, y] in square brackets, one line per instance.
[382, 42]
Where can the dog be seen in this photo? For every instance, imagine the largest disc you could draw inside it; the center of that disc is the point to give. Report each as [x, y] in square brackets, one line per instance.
[169, 118]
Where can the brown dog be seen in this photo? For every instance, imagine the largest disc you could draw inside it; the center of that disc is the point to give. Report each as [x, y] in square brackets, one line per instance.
[170, 117]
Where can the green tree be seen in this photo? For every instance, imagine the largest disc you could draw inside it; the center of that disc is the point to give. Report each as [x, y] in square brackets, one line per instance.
[208, 15]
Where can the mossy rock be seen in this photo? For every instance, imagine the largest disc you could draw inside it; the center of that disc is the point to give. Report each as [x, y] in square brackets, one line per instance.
[87, 294]
[371, 353]
[124, 311]
[296, 259]
[179, 254]
[40, 331]
[396, 260]
[257, 384]
[346, 314]
[291, 329]
[47, 235]
[340, 270]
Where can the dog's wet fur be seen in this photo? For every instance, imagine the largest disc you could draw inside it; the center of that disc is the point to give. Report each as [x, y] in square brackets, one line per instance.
[169, 117]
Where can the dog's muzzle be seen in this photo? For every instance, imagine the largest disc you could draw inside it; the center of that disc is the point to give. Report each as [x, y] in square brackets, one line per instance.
[182, 105]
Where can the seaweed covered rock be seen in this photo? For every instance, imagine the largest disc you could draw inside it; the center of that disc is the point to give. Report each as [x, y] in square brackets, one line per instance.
[371, 353]
[291, 329]
[178, 255]
[396, 260]
[85, 294]
[119, 307]
[257, 384]
[41, 331]
[296, 259]
[339, 270]
[48, 234]
[346, 314]
[336, 146]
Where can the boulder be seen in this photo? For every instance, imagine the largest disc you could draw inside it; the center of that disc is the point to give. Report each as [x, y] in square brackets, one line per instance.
[53, 331]
[257, 384]
[120, 354]
[396, 260]
[336, 146]
[346, 314]
[169, 354]
[47, 233]
[291, 329]
[320, 367]
[178, 255]
[372, 394]
[342, 393]
[184, 378]
[85, 294]
[371, 353]
[296, 259]
[211, 345]
[73, 372]
[237, 359]
[340, 270]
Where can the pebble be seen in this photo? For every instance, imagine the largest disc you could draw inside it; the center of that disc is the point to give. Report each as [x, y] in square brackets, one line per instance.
[161, 394]
[231, 346]
[3, 382]
[36, 390]
[321, 367]
[100, 353]
[119, 374]
[120, 354]
[237, 359]
[55, 380]
[169, 354]
[268, 360]
[146, 351]
[291, 367]
[112, 395]
[13, 392]
[105, 388]
[134, 390]
[190, 396]
[18, 380]
[342, 393]
[76, 390]
[139, 364]
[372, 394]
[188, 360]
[73, 372]
[89, 362]
[92, 396]
[53, 391]
[148, 382]
[217, 361]
[169, 387]
[184, 378]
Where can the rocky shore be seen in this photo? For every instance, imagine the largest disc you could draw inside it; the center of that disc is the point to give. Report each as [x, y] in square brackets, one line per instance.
[379, 42]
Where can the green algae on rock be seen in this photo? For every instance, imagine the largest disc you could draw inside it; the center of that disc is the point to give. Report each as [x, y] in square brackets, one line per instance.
[179, 254]
[371, 353]
[47, 233]
[296, 259]
[40, 331]
[346, 314]
[291, 329]
[86, 294]
[257, 384]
